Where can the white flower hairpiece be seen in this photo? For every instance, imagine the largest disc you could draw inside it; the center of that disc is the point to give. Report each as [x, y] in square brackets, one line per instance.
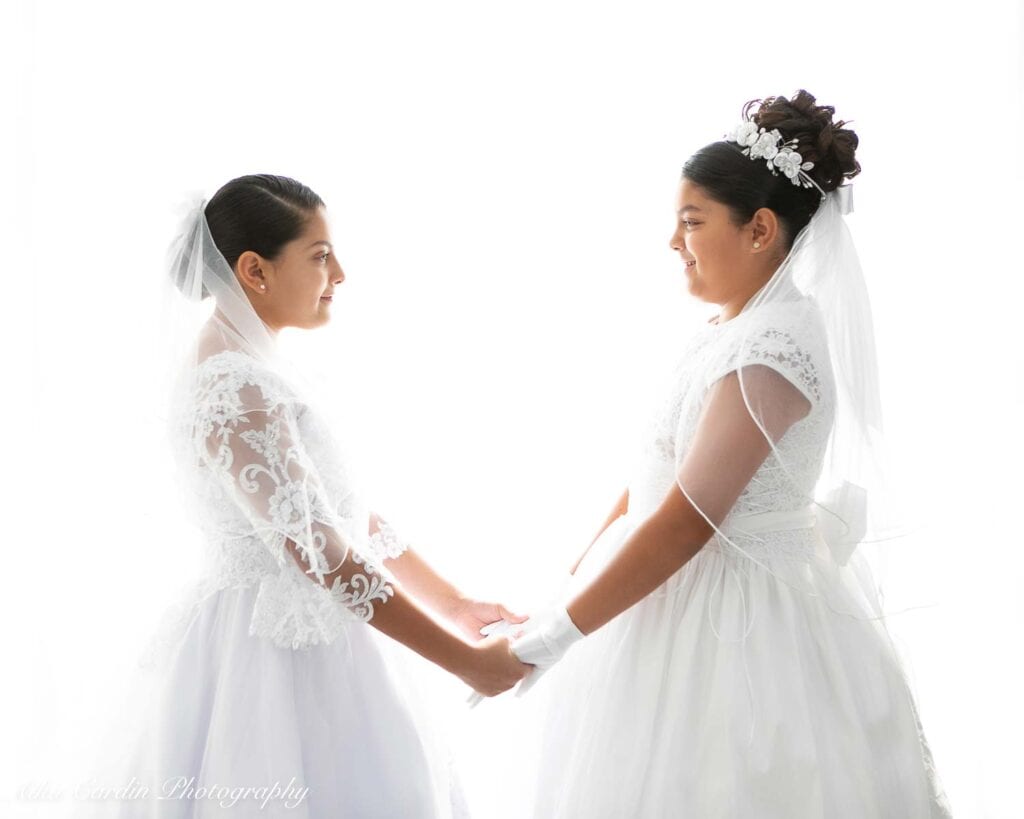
[758, 143]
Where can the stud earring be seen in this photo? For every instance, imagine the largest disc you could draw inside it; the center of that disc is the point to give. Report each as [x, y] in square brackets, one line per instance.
[263, 287]
[757, 245]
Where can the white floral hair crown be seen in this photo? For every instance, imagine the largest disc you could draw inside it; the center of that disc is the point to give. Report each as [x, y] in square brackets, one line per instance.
[758, 143]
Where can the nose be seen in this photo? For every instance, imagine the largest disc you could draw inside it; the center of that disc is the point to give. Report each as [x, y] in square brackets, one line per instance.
[338, 275]
[676, 242]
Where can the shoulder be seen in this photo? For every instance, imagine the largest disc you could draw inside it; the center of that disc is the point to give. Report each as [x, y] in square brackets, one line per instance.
[795, 325]
[238, 378]
[788, 337]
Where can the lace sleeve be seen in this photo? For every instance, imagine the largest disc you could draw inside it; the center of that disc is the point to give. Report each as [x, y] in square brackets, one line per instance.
[246, 434]
[384, 541]
[789, 344]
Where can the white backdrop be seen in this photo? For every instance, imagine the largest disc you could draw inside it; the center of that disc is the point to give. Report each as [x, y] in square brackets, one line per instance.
[500, 182]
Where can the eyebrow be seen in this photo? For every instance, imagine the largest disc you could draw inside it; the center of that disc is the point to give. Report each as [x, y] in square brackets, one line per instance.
[321, 242]
[685, 208]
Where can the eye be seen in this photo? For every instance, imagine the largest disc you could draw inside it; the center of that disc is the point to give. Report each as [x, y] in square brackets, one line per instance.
[689, 223]
[323, 256]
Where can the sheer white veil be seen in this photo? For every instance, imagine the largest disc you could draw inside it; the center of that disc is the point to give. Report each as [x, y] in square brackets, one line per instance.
[206, 313]
[198, 271]
[811, 323]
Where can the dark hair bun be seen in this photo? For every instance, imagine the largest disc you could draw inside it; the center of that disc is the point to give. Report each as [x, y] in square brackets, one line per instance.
[829, 145]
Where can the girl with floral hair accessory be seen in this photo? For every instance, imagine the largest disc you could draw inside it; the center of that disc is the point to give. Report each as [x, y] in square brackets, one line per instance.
[721, 650]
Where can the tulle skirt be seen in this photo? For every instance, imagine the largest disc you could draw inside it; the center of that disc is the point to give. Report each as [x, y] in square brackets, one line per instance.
[731, 693]
[224, 723]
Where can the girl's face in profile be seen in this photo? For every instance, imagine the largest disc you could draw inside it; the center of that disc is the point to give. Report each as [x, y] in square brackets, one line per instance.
[302, 279]
[716, 253]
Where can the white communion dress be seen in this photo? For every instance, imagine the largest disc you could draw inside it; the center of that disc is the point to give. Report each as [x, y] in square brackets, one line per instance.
[262, 694]
[757, 684]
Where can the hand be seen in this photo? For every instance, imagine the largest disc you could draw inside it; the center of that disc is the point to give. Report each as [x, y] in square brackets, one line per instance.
[493, 668]
[472, 615]
[544, 643]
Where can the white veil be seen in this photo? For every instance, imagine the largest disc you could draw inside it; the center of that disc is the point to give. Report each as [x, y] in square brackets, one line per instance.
[803, 344]
[235, 403]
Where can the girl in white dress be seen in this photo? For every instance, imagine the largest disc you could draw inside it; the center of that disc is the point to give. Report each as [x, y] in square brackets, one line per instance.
[269, 694]
[736, 663]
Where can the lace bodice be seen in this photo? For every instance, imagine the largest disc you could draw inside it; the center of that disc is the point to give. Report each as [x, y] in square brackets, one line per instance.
[788, 337]
[264, 469]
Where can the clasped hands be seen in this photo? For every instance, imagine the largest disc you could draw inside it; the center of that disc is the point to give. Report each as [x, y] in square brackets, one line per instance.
[538, 641]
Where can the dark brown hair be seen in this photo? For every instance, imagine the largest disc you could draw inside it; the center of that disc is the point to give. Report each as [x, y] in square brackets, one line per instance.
[259, 212]
[745, 185]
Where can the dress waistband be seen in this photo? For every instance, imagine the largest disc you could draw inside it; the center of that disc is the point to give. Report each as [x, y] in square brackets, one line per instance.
[756, 523]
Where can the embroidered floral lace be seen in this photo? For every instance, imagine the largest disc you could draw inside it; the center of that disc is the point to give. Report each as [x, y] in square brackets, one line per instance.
[789, 340]
[278, 508]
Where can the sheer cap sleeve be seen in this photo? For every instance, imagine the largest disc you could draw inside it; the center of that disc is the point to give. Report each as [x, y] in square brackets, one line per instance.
[791, 400]
[787, 338]
[753, 419]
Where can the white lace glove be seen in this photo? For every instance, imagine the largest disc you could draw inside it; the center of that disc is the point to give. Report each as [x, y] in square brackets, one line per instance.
[544, 643]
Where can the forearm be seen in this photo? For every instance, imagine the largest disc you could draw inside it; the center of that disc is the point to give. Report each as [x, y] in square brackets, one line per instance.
[382, 600]
[620, 508]
[655, 551]
[402, 619]
[418, 577]
[423, 582]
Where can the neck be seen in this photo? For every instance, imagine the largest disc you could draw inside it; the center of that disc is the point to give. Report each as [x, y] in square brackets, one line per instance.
[735, 304]
[271, 330]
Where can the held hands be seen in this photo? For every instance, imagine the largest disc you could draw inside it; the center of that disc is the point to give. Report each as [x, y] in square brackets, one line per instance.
[544, 642]
[541, 642]
[470, 616]
[493, 668]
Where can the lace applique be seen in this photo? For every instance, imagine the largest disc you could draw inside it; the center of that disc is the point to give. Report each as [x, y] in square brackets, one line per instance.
[386, 543]
[792, 544]
[788, 338]
[780, 349]
[361, 589]
[245, 433]
[293, 613]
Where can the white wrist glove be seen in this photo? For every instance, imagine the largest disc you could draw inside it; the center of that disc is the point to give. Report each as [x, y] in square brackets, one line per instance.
[544, 643]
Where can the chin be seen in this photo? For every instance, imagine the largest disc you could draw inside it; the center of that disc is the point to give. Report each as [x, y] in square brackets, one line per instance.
[700, 293]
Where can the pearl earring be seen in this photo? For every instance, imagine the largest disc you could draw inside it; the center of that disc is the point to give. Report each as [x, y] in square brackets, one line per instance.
[263, 287]
[756, 245]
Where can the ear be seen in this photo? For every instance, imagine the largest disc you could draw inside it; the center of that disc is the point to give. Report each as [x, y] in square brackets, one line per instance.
[765, 230]
[250, 271]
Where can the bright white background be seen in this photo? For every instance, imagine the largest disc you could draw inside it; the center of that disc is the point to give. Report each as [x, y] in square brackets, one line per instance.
[500, 181]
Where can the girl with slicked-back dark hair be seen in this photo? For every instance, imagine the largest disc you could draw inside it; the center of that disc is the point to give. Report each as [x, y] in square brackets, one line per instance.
[281, 675]
[259, 212]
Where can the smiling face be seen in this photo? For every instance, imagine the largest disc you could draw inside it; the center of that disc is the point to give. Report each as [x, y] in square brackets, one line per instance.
[725, 263]
[714, 250]
[297, 286]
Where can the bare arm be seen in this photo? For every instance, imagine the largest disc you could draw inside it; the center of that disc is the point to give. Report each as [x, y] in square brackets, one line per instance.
[250, 441]
[425, 583]
[419, 577]
[488, 666]
[620, 508]
[727, 450]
